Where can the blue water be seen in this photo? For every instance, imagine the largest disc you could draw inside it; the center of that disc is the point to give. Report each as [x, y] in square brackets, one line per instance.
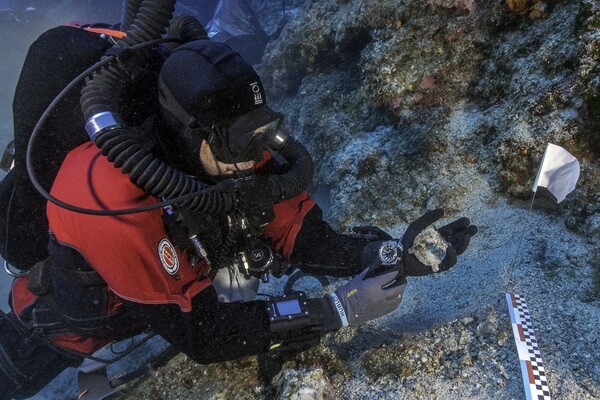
[6, 134]
[5, 282]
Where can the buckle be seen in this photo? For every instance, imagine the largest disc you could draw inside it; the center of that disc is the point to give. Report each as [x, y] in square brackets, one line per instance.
[8, 157]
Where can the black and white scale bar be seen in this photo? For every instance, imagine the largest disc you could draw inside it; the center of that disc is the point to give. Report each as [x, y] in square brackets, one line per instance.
[534, 375]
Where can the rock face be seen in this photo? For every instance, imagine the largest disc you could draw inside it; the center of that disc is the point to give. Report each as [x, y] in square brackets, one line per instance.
[424, 98]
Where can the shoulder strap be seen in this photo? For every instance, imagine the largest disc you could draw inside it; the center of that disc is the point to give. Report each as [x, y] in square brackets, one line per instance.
[108, 32]
[99, 28]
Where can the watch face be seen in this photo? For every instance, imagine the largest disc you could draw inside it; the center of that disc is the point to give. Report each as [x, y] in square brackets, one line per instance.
[388, 253]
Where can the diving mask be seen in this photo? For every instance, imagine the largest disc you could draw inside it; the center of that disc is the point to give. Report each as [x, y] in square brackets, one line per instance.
[237, 143]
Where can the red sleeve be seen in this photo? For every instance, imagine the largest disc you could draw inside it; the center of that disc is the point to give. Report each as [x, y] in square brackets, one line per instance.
[289, 215]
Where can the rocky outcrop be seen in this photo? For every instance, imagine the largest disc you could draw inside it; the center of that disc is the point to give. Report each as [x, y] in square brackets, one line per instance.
[475, 87]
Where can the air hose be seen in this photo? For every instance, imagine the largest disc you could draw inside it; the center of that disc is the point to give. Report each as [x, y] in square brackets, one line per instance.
[101, 91]
[297, 179]
[130, 10]
[185, 28]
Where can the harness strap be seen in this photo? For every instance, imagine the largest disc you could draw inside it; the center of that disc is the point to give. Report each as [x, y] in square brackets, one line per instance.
[99, 28]
[40, 283]
[80, 278]
[108, 32]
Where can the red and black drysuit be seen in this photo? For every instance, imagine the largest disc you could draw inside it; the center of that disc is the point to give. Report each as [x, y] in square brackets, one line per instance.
[147, 281]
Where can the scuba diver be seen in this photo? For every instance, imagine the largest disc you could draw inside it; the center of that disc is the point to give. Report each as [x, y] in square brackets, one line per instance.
[186, 194]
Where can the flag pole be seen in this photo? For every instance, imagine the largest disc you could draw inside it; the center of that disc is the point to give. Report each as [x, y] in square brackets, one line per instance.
[532, 199]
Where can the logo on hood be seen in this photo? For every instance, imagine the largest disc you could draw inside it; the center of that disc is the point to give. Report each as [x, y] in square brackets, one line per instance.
[168, 257]
[257, 93]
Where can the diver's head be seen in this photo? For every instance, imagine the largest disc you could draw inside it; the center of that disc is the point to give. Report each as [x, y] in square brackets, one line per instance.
[215, 103]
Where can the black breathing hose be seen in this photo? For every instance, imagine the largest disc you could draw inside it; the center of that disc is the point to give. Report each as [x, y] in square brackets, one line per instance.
[154, 176]
[102, 89]
[150, 23]
[301, 172]
[37, 131]
[130, 10]
[185, 28]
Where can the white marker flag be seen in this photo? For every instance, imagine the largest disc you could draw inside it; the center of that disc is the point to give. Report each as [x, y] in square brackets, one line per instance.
[558, 172]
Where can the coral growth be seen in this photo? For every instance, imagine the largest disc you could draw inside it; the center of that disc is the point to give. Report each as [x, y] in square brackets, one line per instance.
[468, 5]
[535, 9]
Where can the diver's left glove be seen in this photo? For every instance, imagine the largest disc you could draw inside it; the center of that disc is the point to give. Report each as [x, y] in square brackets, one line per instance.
[417, 259]
[295, 319]
[367, 296]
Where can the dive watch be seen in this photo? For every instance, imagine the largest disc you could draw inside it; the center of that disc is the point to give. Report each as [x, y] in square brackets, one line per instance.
[390, 252]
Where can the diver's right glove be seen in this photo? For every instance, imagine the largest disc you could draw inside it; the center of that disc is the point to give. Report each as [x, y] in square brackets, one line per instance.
[367, 296]
[401, 255]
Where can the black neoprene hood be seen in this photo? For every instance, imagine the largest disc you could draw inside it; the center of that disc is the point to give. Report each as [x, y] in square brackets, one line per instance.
[208, 83]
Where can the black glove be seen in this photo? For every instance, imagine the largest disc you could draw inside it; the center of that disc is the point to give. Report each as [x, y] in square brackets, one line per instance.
[458, 234]
[397, 254]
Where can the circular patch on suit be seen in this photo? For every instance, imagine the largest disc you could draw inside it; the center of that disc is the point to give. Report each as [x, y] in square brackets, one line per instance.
[168, 257]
